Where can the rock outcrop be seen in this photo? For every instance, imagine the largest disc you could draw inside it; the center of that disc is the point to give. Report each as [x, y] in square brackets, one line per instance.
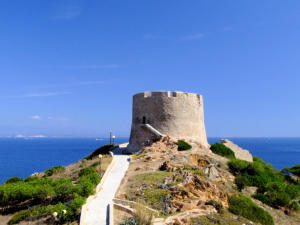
[238, 151]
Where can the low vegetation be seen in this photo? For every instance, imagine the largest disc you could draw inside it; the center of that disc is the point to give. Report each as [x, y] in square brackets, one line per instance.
[243, 206]
[183, 146]
[274, 188]
[225, 218]
[193, 169]
[54, 170]
[105, 149]
[13, 180]
[217, 205]
[294, 170]
[222, 150]
[143, 215]
[139, 156]
[149, 190]
[58, 191]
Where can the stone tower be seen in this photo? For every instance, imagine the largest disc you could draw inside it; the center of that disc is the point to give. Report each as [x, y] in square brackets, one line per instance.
[177, 114]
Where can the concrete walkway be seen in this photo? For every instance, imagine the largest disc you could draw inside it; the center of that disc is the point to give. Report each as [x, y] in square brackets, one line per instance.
[95, 212]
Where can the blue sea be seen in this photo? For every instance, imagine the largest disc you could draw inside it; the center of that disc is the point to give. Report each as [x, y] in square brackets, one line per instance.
[22, 157]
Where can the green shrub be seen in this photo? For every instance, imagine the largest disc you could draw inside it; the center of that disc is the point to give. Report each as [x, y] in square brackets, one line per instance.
[241, 182]
[13, 180]
[294, 170]
[130, 221]
[238, 166]
[278, 194]
[222, 150]
[243, 206]
[273, 187]
[31, 178]
[33, 213]
[73, 211]
[74, 208]
[294, 206]
[71, 196]
[86, 171]
[12, 193]
[54, 170]
[63, 188]
[102, 150]
[183, 146]
[19, 216]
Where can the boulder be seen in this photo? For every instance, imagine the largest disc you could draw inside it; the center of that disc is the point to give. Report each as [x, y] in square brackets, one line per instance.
[238, 151]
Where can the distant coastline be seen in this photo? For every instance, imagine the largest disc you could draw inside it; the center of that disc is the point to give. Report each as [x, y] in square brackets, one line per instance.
[22, 157]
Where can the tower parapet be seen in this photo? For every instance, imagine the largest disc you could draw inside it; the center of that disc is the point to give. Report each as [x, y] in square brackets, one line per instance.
[177, 114]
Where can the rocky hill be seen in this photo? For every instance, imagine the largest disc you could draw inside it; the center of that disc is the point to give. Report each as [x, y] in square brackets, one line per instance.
[196, 186]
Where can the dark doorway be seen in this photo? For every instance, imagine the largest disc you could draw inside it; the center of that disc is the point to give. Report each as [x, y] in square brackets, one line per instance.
[144, 119]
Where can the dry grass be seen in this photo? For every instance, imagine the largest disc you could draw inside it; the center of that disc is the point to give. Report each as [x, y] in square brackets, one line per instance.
[143, 215]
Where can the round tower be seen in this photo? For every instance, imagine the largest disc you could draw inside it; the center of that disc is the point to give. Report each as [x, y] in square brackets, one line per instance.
[177, 114]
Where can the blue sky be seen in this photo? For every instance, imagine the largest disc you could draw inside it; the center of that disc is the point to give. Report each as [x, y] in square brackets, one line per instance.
[70, 67]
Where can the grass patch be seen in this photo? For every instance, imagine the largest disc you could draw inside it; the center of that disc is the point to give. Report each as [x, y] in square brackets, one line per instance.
[222, 150]
[154, 197]
[243, 206]
[155, 178]
[102, 150]
[137, 157]
[183, 146]
[195, 170]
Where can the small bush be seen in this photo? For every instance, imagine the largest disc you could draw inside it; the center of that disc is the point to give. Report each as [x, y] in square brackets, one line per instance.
[102, 150]
[294, 206]
[54, 170]
[222, 150]
[238, 166]
[13, 180]
[241, 182]
[19, 216]
[33, 213]
[217, 205]
[86, 171]
[278, 194]
[130, 221]
[31, 178]
[143, 215]
[183, 146]
[243, 206]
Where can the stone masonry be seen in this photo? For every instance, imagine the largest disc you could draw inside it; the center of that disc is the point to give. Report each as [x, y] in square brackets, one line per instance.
[176, 114]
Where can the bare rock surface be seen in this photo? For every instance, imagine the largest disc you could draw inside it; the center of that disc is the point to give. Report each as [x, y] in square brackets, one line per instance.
[238, 151]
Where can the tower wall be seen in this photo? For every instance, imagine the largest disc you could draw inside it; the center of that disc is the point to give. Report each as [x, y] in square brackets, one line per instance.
[177, 114]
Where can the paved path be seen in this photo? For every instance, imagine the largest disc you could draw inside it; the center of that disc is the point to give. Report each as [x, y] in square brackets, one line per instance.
[95, 212]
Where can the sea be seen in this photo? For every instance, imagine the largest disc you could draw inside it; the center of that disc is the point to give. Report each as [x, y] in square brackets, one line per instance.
[22, 157]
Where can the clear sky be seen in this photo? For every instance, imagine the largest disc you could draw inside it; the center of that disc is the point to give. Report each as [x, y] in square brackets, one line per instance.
[70, 67]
